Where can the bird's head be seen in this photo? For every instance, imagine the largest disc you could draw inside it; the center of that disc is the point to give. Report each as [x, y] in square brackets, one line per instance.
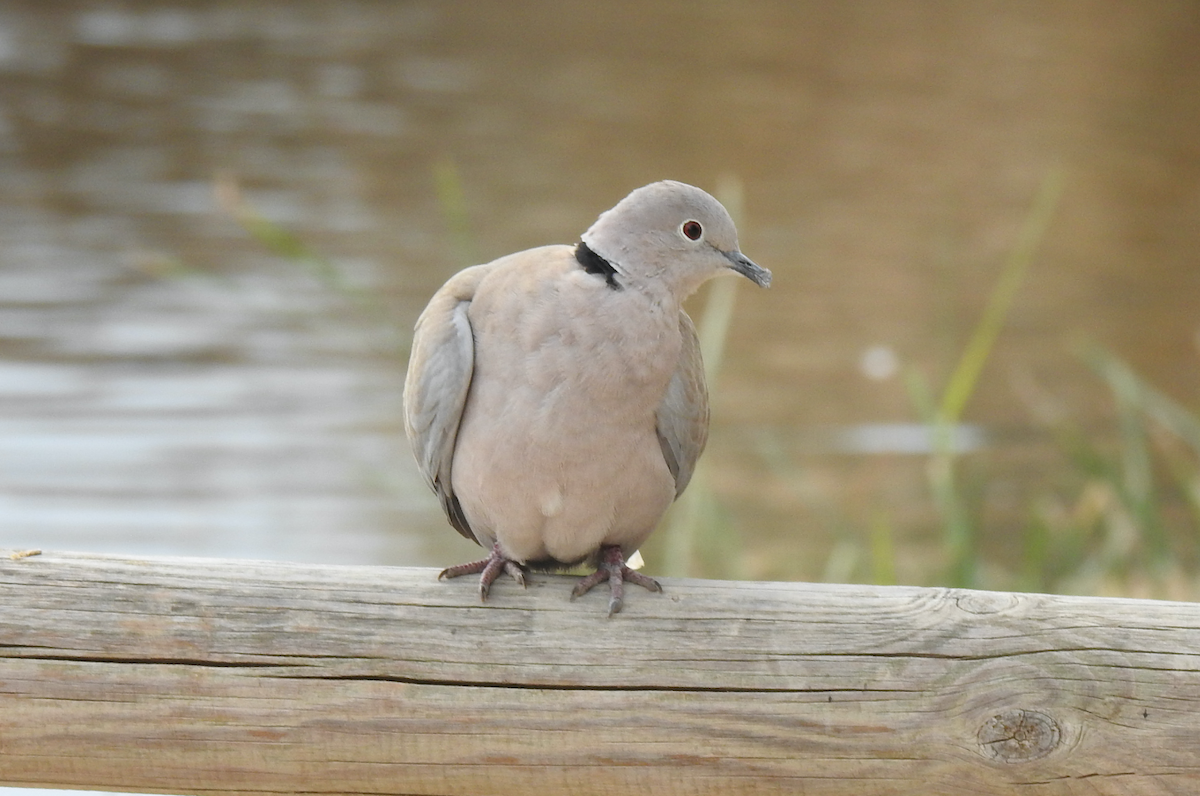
[671, 234]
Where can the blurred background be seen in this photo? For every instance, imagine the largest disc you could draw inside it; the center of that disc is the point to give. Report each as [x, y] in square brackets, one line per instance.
[977, 364]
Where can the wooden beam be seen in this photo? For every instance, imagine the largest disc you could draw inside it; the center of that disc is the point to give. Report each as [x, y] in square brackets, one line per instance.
[203, 676]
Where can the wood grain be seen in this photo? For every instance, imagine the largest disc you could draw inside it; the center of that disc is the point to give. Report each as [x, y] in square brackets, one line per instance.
[208, 676]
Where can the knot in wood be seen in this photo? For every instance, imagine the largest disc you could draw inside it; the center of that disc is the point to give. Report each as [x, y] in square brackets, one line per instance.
[1019, 736]
[983, 602]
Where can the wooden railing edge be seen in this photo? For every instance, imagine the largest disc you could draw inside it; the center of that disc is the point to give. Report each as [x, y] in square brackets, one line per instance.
[179, 675]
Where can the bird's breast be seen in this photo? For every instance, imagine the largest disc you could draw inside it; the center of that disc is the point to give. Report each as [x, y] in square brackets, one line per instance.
[557, 450]
[566, 343]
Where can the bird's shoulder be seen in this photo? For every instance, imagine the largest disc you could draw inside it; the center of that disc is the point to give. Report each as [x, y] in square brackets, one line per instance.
[463, 285]
[547, 274]
[531, 266]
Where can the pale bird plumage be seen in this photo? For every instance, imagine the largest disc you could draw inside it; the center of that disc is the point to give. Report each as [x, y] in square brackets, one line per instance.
[555, 398]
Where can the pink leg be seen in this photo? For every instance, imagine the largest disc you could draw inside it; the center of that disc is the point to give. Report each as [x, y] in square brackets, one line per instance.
[612, 569]
[489, 569]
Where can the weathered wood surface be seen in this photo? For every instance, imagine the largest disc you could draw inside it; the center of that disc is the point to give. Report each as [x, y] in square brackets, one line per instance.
[203, 676]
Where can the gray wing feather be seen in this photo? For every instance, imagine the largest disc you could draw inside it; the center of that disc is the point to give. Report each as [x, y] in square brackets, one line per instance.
[683, 414]
[436, 387]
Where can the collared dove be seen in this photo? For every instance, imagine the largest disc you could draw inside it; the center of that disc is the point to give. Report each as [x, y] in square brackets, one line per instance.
[555, 398]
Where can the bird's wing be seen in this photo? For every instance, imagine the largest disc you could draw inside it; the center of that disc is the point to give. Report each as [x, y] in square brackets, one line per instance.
[435, 389]
[683, 414]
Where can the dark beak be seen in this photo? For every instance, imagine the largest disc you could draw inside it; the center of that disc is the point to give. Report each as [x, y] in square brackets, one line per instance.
[747, 268]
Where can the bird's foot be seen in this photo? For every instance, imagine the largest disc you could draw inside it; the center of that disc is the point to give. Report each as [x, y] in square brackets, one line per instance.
[613, 569]
[489, 569]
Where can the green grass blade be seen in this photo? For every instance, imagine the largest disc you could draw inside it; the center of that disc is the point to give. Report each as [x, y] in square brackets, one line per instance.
[963, 380]
[958, 529]
[452, 200]
[883, 550]
[274, 237]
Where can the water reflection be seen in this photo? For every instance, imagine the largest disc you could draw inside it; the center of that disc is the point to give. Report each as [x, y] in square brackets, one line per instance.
[912, 439]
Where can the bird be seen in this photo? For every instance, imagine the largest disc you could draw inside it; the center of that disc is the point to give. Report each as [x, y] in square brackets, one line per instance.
[555, 398]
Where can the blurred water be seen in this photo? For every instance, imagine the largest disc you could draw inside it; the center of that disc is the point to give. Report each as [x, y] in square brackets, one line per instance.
[169, 385]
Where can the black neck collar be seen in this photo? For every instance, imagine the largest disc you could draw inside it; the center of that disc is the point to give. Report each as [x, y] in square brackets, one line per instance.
[595, 264]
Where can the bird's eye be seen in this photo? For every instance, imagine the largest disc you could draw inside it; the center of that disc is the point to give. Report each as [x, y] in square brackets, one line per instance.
[692, 230]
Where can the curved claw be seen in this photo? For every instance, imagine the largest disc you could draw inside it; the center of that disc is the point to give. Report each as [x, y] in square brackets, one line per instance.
[612, 568]
[488, 569]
